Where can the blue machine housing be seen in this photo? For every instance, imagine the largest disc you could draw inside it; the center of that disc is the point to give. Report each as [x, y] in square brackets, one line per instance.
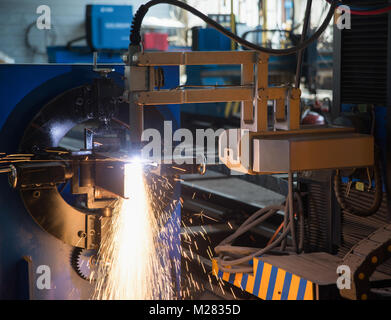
[108, 26]
[24, 90]
[209, 39]
[61, 54]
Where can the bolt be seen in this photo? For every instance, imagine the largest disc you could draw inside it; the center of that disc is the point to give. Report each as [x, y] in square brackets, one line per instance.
[82, 234]
[36, 194]
[374, 260]
[361, 276]
[295, 93]
[262, 94]
[79, 101]
[262, 58]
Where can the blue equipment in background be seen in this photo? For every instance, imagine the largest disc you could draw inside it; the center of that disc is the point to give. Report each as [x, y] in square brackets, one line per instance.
[209, 39]
[107, 32]
[108, 26]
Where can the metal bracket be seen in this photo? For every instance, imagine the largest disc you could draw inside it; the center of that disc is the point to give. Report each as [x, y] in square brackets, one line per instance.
[102, 71]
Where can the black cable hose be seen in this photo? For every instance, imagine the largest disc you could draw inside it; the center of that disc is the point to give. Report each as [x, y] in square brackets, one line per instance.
[28, 43]
[300, 57]
[378, 197]
[135, 36]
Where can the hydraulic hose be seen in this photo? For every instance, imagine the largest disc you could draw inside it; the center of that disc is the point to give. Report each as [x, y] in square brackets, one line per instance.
[233, 259]
[135, 35]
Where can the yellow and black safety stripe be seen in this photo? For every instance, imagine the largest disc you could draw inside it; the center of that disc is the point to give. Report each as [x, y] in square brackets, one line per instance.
[269, 282]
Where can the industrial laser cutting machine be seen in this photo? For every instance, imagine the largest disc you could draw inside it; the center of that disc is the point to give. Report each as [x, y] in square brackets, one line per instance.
[282, 146]
[255, 148]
